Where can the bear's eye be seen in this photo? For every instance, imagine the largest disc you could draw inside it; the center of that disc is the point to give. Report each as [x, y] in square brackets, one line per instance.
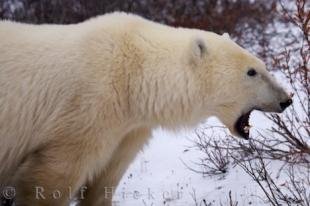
[252, 72]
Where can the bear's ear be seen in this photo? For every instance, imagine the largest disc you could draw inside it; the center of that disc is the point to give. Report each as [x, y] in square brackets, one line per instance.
[199, 48]
[226, 35]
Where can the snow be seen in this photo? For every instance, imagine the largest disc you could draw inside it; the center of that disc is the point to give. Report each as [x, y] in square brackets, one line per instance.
[160, 170]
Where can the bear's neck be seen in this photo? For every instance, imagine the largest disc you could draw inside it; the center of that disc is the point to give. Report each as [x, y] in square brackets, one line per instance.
[162, 86]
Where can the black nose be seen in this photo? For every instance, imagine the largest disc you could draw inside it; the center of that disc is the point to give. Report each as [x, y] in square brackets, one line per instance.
[284, 105]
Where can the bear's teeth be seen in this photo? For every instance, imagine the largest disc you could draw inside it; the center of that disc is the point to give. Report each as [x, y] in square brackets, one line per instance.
[246, 129]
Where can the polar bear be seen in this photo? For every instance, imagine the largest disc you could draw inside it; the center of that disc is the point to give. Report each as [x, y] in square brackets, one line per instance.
[77, 102]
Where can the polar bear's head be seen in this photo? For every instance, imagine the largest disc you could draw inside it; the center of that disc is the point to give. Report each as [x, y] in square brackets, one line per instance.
[239, 83]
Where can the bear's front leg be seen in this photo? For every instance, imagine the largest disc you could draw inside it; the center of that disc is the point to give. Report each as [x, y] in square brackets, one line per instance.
[100, 191]
[50, 176]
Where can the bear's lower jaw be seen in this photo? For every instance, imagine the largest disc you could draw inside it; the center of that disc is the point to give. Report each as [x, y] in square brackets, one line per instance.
[242, 125]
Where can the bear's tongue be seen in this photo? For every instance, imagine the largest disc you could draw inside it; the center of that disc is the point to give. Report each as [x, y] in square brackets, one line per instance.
[242, 125]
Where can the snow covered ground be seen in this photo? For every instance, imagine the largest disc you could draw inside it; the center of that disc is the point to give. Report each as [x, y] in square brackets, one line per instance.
[158, 176]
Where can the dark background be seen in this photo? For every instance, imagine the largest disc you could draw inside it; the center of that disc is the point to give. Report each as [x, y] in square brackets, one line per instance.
[234, 17]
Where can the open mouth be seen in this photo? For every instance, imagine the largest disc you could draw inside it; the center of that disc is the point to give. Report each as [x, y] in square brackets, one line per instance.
[242, 125]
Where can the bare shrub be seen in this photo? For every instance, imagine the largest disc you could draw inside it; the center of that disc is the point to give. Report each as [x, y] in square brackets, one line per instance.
[214, 160]
[294, 191]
